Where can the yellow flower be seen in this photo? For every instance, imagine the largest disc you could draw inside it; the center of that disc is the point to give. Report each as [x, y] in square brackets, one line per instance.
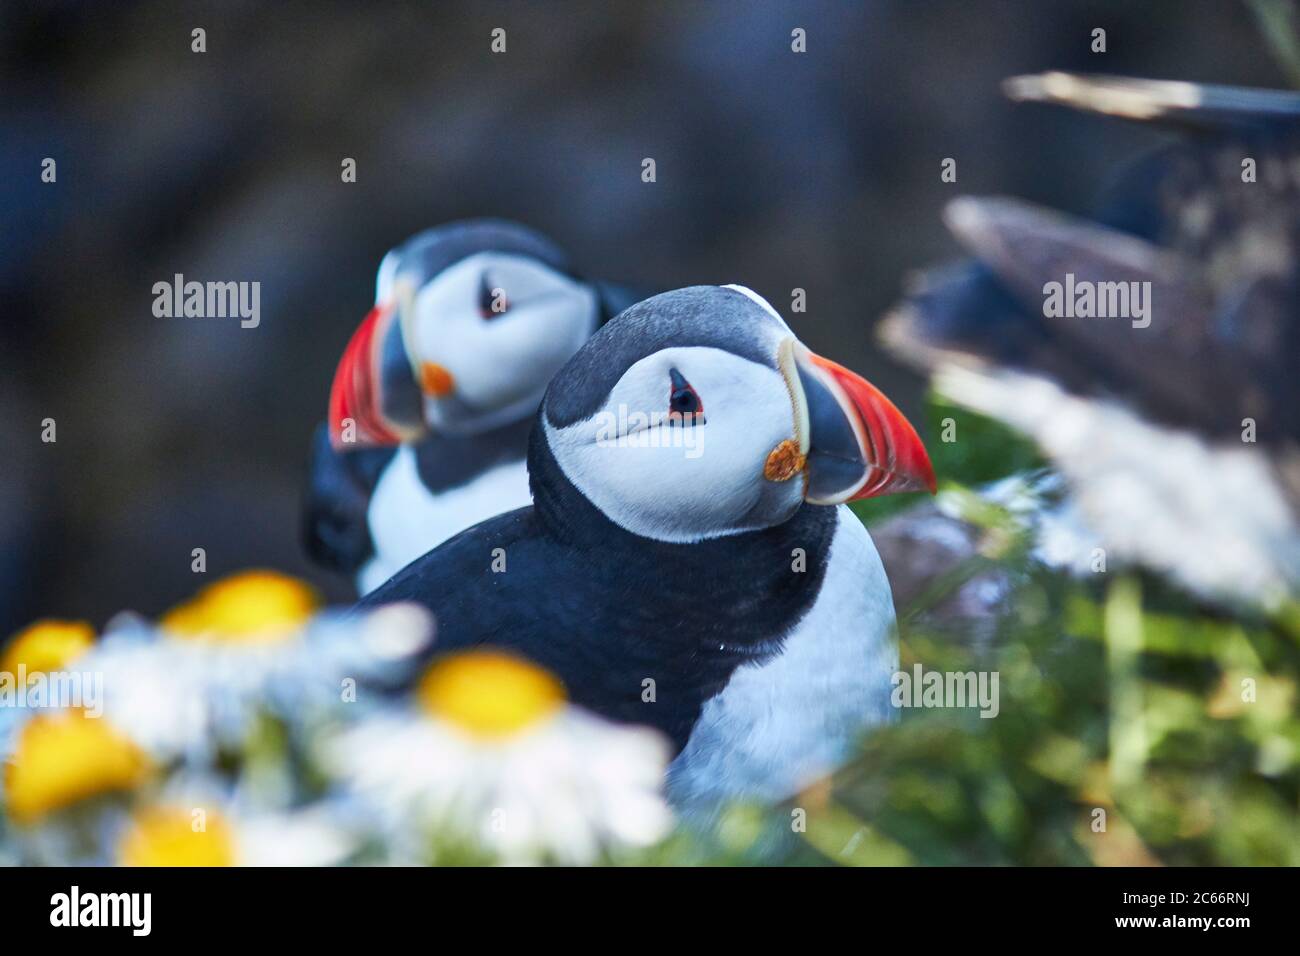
[47, 646]
[254, 607]
[64, 758]
[488, 693]
[166, 836]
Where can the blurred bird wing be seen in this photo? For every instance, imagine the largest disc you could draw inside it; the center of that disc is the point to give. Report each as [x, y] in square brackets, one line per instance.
[1172, 363]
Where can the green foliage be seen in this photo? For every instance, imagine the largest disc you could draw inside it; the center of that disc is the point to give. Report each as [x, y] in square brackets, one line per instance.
[966, 449]
[1154, 733]
[1279, 22]
[980, 450]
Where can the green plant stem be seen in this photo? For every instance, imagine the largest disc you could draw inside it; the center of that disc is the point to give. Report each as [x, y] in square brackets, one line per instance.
[1280, 24]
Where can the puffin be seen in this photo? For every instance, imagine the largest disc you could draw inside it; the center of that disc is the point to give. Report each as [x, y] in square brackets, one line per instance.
[688, 561]
[434, 396]
[1207, 228]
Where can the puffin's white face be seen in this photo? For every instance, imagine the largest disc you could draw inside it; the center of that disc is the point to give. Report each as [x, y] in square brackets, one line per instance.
[720, 421]
[672, 453]
[486, 335]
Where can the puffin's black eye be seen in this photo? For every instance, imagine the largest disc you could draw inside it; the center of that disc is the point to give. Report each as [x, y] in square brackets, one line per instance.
[684, 405]
[492, 302]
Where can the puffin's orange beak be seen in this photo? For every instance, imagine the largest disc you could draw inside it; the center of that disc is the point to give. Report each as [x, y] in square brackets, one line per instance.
[857, 444]
[374, 399]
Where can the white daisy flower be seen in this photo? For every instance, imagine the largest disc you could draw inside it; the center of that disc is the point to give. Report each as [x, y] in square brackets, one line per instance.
[247, 646]
[495, 758]
[79, 792]
[186, 826]
[197, 822]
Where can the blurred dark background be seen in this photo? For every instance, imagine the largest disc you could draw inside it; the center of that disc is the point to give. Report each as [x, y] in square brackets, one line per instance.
[776, 170]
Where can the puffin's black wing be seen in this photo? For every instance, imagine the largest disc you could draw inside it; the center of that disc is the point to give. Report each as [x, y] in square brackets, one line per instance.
[481, 585]
[339, 486]
[505, 584]
[594, 617]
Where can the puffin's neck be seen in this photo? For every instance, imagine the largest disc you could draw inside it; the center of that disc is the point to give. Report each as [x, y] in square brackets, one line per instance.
[743, 590]
[563, 512]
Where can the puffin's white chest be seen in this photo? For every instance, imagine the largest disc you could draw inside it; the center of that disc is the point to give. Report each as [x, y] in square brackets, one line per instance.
[779, 725]
[406, 520]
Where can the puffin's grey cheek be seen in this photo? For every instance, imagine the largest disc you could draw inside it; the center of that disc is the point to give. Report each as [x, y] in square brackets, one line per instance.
[777, 504]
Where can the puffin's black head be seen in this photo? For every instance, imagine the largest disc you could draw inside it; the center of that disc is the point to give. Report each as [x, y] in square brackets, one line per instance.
[470, 322]
[696, 414]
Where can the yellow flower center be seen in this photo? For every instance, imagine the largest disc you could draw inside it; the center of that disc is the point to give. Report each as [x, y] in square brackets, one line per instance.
[489, 693]
[47, 646]
[255, 607]
[64, 758]
[174, 836]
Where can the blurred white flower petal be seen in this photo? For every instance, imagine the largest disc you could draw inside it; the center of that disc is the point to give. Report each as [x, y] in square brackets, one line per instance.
[564, 787]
